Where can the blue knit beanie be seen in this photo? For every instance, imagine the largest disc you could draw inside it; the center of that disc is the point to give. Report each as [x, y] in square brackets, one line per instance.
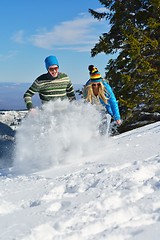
[51, 60]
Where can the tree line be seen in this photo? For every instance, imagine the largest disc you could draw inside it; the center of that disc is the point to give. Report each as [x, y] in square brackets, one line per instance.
[134, 74]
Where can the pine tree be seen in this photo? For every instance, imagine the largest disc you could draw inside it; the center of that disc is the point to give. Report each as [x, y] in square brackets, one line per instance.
[135, 73]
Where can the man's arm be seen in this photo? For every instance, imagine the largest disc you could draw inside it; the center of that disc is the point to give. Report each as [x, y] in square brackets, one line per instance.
[70, 92]
[29, 93]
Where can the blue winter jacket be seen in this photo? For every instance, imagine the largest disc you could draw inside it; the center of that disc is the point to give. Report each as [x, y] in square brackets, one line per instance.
[112, 104]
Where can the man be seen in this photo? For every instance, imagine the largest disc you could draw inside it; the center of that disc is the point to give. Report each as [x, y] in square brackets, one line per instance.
[99, 92]
[51, 85]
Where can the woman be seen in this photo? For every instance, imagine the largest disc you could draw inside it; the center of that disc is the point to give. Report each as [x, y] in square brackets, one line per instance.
[99, 92]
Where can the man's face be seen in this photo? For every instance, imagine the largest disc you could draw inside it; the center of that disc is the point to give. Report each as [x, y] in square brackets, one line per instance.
[53, 70]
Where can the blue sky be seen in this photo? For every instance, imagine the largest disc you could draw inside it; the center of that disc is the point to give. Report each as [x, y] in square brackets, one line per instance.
[33, 29]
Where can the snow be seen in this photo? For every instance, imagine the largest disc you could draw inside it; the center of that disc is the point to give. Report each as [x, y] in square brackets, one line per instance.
[69, 183]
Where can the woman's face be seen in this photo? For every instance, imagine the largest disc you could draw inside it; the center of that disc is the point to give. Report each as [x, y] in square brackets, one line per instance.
[95, 88]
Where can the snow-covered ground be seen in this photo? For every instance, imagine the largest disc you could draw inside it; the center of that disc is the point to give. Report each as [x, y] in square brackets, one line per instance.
[12, 118]
[69, 183]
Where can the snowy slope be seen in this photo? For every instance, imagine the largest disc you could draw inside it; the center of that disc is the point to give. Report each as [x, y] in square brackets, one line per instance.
[107, 190]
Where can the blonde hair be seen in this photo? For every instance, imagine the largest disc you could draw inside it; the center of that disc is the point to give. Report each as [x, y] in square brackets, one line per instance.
[101, 93]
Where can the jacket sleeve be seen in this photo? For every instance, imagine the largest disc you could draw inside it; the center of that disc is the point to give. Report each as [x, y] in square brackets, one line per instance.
[29, 93]
[112, 102]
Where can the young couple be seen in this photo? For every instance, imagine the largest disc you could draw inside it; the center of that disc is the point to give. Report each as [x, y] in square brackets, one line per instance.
[54, 84]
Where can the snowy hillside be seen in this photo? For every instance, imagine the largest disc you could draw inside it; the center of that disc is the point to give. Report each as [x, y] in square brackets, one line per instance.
[69, 183]
[12, 118]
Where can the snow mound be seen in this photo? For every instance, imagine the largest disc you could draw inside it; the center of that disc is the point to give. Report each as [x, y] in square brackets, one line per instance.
[112, 194]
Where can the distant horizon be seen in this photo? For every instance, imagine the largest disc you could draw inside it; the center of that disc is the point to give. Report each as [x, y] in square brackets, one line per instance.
[11, 95]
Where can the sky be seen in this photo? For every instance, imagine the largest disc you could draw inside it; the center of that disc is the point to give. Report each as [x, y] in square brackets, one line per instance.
[69, 183]
[32, 30]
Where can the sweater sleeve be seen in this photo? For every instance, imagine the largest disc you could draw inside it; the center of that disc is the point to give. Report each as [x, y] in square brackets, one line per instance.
[70, 92]
[29, 93]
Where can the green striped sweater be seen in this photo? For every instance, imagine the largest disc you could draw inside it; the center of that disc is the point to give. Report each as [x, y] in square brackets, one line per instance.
[50, 88]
